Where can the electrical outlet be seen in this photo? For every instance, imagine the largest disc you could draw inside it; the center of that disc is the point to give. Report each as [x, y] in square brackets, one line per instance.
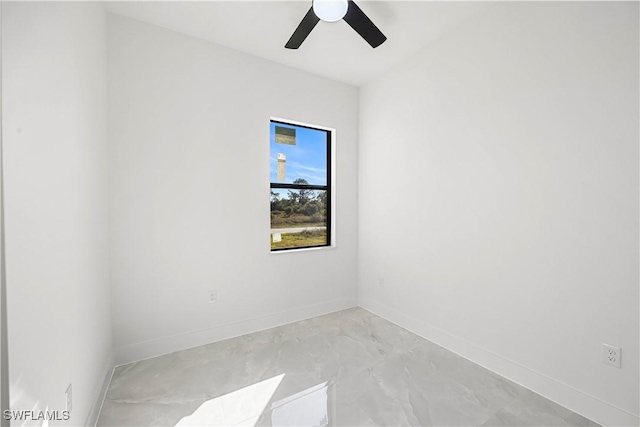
[213, 296]
[611, 355]
[381, 281]
[68, 392]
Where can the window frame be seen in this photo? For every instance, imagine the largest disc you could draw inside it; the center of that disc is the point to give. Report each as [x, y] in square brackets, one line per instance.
[330, 139]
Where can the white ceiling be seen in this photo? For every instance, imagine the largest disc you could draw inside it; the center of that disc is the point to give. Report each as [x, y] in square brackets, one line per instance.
[333, 50]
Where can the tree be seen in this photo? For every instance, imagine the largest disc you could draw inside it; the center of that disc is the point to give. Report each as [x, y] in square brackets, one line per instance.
[311, 208]
[300, 197]
[276, 203]
[322, 198]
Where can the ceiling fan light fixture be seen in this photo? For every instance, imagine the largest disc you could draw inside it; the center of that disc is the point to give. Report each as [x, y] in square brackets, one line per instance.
[330, 10]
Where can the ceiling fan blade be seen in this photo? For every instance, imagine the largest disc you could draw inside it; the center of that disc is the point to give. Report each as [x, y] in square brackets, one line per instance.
[304, 28]
[363, 25]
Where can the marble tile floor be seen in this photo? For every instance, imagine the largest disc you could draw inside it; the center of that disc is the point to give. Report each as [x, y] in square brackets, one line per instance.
[350, 368]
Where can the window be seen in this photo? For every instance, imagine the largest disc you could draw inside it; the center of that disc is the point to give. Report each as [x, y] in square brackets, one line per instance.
[300, 186]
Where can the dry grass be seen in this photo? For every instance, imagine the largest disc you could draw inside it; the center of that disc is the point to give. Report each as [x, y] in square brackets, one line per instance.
[304, 239]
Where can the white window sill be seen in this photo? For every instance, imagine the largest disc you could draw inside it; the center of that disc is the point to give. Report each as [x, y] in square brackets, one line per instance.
[288, 251]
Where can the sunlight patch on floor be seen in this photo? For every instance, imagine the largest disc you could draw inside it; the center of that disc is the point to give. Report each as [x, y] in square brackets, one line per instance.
[247, 403]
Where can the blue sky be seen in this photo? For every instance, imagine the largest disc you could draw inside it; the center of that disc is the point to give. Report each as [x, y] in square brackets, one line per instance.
[307, 159]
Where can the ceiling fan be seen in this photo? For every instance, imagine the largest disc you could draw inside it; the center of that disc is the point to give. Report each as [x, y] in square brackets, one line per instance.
[332, 11]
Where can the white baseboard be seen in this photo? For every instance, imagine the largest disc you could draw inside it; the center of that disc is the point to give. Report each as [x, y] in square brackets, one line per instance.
[158, 347]
[563, 394]
[94, 413]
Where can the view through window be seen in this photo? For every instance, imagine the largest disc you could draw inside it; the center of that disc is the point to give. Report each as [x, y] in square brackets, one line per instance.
[300, 186]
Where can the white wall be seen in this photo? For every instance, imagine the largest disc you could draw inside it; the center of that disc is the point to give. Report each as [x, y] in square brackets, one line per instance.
[4, 348]
[55, 165]
[189, 182]
[499, 197]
